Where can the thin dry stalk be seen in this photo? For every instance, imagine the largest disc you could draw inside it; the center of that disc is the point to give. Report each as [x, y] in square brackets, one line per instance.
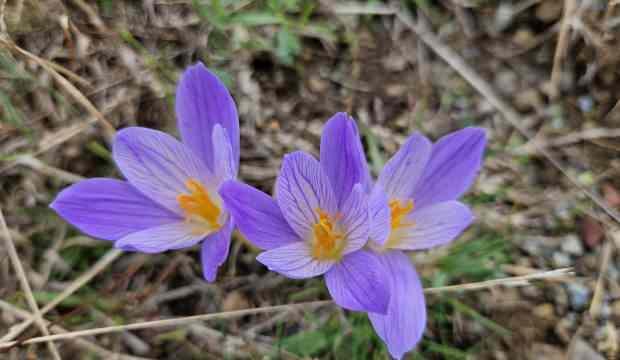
[511, 281]
[562, 47]
[83, 279]
[508, 282]
[40, 166]
[510, 114]
[3, 32]
[68, 86]
[599, 290]
[21, 275]
[82, 343]
[573, 138]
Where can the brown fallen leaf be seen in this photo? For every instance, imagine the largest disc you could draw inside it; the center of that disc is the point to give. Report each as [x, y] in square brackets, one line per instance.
[611, 195]
[591, 231]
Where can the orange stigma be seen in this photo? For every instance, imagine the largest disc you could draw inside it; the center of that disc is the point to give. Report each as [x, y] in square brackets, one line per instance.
[327, 241]
[399, 211]
[199, 208]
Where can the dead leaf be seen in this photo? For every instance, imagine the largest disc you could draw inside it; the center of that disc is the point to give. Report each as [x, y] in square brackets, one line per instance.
[611, 195]
[591, 231]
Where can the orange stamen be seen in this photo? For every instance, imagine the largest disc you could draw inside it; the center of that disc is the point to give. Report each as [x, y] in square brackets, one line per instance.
[327, 241]
[199, 207]
[399, 213]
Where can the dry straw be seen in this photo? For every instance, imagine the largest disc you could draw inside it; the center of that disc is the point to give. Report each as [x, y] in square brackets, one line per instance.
[510, 282]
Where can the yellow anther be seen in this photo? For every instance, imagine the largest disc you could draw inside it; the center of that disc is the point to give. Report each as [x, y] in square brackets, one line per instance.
[399, 212]
[198, 206]
[327, 241]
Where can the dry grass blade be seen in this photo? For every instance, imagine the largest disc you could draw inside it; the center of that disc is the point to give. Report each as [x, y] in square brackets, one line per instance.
[106, 260]
[510, 114]
[511, 281]
[599, 290]
[43, 168]
[82, 343]
[560, 50]
[68, 86]
[21, 275]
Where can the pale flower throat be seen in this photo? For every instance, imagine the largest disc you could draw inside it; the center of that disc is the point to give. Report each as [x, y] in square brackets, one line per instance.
[327, 240]
[200, 210]
[399, 211]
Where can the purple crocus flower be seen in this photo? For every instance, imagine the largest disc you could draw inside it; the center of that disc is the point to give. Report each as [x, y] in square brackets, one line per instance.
[413, 207]
[319, 222]
[170, 199]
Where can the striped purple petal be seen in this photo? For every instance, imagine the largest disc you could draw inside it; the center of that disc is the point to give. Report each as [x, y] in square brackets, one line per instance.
[224, 163]
[342, 156]
[109, 209]
[214, 251]
[160, 238]
[355, 219]
[403, 325]
[433, 225]
[257, 216]
[157, 164]
[356, 283]
[301, 190]
[403, 171]
[294, 261]
[380, 215]
[202, 101]
[455, 161]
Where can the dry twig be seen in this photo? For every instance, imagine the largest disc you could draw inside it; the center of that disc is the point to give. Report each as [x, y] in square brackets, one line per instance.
[82, 343]
[509, 113]
[560, 50]
[106, 260]
[67, 85]
[511, 281]
[21, 275]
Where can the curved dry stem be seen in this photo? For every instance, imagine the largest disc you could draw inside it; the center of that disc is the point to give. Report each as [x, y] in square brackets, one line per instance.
[510, 281]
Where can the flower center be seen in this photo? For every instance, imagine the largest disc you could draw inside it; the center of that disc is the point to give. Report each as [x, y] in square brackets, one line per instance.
[327, 241]
[199, 208]
[399, 211]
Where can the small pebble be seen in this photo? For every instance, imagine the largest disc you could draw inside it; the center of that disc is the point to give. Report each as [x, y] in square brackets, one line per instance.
[545, 311]
[572, 245]
[579, 296]
[561, 259]
[586, 104]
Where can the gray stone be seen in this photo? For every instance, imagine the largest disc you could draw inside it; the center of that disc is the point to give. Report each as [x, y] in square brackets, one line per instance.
[579, 296]
[572, 245]
[561, 259]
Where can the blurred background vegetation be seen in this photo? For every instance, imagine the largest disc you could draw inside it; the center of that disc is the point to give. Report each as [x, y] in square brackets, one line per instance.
[290, 64]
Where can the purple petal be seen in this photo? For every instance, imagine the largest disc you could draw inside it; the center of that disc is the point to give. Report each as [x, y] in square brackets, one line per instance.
[380, 216]
[356, 283]
[402, 172]
[433, 225]
[161, 238]
[342, 156]
[453, 166]
[356, 220]
[257, 216]
[224, 166]
[157, 164]
[214, 251]
[301, 190]
[402, 327]
[294, 261]
[109, 209]
[201, 102]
